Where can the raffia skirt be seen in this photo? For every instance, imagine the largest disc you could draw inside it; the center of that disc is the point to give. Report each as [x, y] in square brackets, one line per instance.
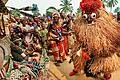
[105, 64]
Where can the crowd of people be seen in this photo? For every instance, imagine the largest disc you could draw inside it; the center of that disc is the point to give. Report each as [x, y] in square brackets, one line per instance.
[33, 39]
[36, 33]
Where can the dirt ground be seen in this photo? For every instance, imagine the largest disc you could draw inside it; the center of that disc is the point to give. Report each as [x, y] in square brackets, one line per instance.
[66, 68]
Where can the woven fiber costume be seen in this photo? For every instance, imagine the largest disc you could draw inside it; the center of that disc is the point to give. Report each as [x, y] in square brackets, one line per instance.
[99, 35]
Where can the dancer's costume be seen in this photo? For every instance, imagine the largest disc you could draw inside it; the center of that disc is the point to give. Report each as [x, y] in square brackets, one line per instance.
[99, 35]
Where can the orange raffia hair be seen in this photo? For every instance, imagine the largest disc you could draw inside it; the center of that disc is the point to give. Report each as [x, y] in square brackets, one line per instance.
[90, 5]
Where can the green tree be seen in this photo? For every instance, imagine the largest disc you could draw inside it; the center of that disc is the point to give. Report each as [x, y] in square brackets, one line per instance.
[117, 10]
[15, 12]
[50, 10]
[66, 6]
[78, 11]
[110, 3]
[35, 10]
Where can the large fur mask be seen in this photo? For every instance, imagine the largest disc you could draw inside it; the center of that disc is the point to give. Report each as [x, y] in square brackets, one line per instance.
[90, 10]
[95, 30]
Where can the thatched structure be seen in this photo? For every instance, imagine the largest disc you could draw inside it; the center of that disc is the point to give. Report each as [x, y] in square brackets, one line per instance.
[3, 9]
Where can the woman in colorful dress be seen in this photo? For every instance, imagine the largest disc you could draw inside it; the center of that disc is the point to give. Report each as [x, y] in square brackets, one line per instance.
[56, 39]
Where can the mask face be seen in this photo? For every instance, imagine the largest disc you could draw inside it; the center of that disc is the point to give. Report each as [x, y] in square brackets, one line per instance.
[89, 16]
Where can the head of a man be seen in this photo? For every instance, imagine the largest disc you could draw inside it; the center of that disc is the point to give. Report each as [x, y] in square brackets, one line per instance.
[55, 17]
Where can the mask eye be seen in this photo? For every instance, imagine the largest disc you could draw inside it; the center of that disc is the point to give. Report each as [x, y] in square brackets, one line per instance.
[85, 16]
[93, 15]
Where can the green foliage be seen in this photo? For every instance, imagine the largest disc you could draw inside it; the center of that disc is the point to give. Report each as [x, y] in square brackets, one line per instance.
[50, 10]
[15, 12]
[117, 10]
[66, 6]
[78, 11]
[110, 3]
[35, 10]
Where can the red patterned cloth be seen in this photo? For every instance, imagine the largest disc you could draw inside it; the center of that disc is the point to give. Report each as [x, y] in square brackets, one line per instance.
[66, 44]
[2, 73]
[61, 50]
[57, 45]
[55, 50]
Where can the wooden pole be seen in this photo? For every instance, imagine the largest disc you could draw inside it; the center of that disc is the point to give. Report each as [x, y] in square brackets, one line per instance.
[3, 25]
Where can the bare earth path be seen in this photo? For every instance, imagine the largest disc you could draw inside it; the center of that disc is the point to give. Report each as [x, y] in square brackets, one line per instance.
[66, 68]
